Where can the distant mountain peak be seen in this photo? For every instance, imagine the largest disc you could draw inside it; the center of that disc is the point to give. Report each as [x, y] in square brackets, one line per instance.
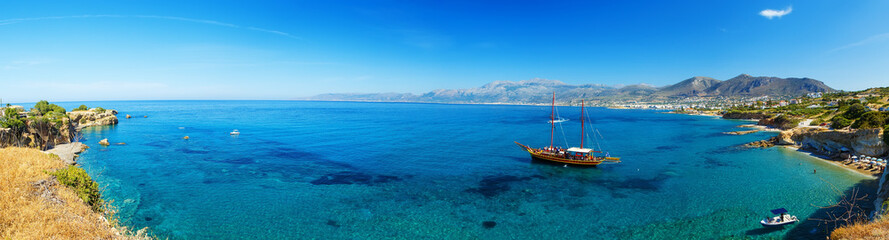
[539, 90]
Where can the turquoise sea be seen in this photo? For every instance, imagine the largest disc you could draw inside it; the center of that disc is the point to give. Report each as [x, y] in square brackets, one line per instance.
[345, 170]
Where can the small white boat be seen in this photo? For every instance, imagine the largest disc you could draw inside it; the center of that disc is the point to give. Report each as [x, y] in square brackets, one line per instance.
[782, 219]
[235, 132]
[558, 120]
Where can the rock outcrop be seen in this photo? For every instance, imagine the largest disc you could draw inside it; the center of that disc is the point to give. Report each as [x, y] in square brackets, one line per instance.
[38, 133]
[764, 143]
[745, 115]
[89, 118]
[863, 141]
[46, 133]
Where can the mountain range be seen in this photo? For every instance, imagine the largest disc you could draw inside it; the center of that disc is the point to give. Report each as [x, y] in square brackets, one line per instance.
[537, 91]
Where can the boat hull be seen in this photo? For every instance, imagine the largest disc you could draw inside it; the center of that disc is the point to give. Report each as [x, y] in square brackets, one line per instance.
[542, 156]
[767, 224]
[552, 159]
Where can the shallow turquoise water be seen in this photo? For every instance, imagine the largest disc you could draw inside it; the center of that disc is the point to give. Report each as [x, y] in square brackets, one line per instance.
[341, 170]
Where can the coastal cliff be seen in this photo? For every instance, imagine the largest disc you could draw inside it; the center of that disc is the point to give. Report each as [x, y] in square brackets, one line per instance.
[832, 142]
[47, 130]
[40, 133]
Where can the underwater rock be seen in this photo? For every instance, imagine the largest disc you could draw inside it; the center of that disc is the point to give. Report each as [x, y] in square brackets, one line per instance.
[495, 185]
[332, 223]
[350, 177]
[489, 224]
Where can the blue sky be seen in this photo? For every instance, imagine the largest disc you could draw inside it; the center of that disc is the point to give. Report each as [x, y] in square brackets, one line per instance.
[134, 50]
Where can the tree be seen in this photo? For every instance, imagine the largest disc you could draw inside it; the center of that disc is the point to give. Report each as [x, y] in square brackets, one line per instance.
[838, 122]
[855, 111]
[81, 108]
[45, 107]
[869, 120]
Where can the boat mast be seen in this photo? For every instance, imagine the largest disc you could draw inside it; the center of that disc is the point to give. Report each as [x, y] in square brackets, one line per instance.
[581, 123]
[552, 120]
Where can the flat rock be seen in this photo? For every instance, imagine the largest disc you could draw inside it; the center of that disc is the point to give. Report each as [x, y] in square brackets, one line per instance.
[67, 152]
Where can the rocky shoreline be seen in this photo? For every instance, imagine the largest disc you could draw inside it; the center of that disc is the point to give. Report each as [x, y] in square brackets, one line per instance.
[835, 147]
[58, 135]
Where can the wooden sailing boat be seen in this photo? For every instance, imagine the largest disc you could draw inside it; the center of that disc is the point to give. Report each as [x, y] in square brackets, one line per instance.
[571, 155]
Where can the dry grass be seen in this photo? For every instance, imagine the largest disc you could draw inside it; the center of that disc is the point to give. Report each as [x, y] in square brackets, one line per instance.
[877, 229]
[49, 211]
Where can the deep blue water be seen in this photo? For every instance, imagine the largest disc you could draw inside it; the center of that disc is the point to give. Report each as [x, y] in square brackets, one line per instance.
[343, 170]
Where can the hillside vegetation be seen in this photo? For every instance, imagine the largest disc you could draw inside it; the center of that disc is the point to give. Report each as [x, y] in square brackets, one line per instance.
[34, 204]
[867, 109]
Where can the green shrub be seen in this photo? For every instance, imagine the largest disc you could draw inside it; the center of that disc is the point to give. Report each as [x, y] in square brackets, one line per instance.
[81, 108]
[886, 134]
[13, 123]
[785, 122]
[869, 120]
[45, 107]
[806, 112]
[838, 122]
[82, 184]
[99, 110]
[11, 113]
[855, 111]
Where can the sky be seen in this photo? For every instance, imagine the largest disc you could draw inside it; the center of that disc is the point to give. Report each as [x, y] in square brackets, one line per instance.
[165, 50]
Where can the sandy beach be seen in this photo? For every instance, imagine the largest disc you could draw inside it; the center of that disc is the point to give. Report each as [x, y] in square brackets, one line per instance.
[851, 168]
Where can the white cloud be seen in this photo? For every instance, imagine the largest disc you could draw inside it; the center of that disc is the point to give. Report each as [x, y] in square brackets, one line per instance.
[772, 13]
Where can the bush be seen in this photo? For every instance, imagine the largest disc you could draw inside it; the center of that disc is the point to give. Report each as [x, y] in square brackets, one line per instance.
[13, 123]
[99, 110]
[869, 120]
[45, 107]
[81, 108]
[11, 113]
[806, 112]
[839, 122]
[886, 134]
[855, 111]
[82, 184]
[785, 122]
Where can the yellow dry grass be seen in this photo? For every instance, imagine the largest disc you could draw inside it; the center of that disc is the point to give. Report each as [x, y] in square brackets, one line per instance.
[877, 229]
[24, 214]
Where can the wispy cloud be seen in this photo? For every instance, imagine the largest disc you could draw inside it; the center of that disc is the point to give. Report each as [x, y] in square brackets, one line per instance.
[173, 18]
[869, 40]
[19, 64]
[772, 13]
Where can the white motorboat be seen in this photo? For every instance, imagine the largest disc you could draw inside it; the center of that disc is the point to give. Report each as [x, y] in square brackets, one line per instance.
[558, 120]
[782, 219]
[235, 132]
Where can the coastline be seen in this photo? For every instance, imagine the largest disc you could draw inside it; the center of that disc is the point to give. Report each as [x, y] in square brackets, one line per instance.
[867, 174]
